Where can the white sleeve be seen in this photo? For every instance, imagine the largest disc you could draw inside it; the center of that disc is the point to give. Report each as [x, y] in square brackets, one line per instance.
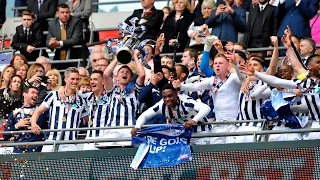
[190, 29]
[151, 112]
[272, 80]
[204, 85]
[262, 92]
[202, 109]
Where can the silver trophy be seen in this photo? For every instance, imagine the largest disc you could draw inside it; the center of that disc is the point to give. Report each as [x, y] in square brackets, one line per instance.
[130, 42]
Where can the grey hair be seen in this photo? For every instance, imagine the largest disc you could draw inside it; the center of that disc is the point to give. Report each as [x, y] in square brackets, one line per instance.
[70, 70]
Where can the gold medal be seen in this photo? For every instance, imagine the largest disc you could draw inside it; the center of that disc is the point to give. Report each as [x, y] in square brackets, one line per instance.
[90, 122]
[64, 119]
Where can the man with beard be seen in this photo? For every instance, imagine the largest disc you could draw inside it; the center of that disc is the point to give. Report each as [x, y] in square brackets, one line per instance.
[64, 114]
[19, 119]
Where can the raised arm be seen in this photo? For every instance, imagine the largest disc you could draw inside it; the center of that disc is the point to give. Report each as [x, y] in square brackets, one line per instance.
[140, 69]
[205, 60]
[275, 56]
[107, 74]
[276, 81]
[204, 85]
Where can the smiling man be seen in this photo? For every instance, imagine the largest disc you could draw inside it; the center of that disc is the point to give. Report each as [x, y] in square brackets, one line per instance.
[63, 114]
[19, 120]
[178, 109]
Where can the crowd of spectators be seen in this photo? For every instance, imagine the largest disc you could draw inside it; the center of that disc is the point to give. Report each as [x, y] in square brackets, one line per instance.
[215, 79]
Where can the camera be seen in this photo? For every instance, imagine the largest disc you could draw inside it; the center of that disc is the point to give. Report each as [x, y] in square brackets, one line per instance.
[44, 79]
[175, 45]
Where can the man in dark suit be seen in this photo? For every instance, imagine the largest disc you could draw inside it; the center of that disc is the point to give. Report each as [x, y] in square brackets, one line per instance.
[64, 32]
[28, 36]
[262, 24]
[150, 17]
[296, 14]
[43, 10]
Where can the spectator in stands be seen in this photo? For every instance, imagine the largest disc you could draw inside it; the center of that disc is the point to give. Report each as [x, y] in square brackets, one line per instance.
[18, 59]
[194, 31]
[10, 98]
[82, 9]
[315, 27]
[296, 14]
[35, 78]
[6, 75]
[167, 61]
[102, 64]
[65, 31]
[21, 70]
[226, 22]
[28, 36]
[83, 72]
[43, 10]
[166, 11]
[189, 59]
[45, 62]
[94, 58]
[307, 48]
[19, 119]
[176, 25]
[84, 85]
[262, 24]
[54, 80]
[68, 114]
[19, 3]
[149, 17]
[3, 4]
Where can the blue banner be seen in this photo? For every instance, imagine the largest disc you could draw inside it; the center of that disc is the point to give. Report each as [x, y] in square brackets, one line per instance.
[164, 145]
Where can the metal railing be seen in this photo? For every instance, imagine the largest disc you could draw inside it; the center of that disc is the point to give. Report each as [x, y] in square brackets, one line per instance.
[55, 143]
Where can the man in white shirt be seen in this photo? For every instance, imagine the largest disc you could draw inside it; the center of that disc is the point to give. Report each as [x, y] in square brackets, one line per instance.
[224, 89]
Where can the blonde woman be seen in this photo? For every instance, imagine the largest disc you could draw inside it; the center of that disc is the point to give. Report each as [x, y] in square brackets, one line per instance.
[21, 70]
[176, 25]
[54, 80]
[36, 78]
[197, 38]
[6, 75]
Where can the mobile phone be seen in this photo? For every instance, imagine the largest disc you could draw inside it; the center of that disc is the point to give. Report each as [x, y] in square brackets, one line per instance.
[44, 79]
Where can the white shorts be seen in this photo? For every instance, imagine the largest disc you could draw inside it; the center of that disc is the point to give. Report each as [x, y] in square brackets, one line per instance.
[61, 148]
[223, 129]
[312, 135]
[117, 133]
[284, 137]
[248, 138]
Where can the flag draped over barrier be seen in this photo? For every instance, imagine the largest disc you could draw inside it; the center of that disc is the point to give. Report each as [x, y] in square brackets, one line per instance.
[164, 145]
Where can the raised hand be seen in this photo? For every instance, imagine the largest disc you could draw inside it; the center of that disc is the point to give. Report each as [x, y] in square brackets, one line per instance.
[176, 84]
[246, 69]
[205, 29]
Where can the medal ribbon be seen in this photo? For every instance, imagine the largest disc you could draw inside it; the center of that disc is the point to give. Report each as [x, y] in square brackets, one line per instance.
[217, 86]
